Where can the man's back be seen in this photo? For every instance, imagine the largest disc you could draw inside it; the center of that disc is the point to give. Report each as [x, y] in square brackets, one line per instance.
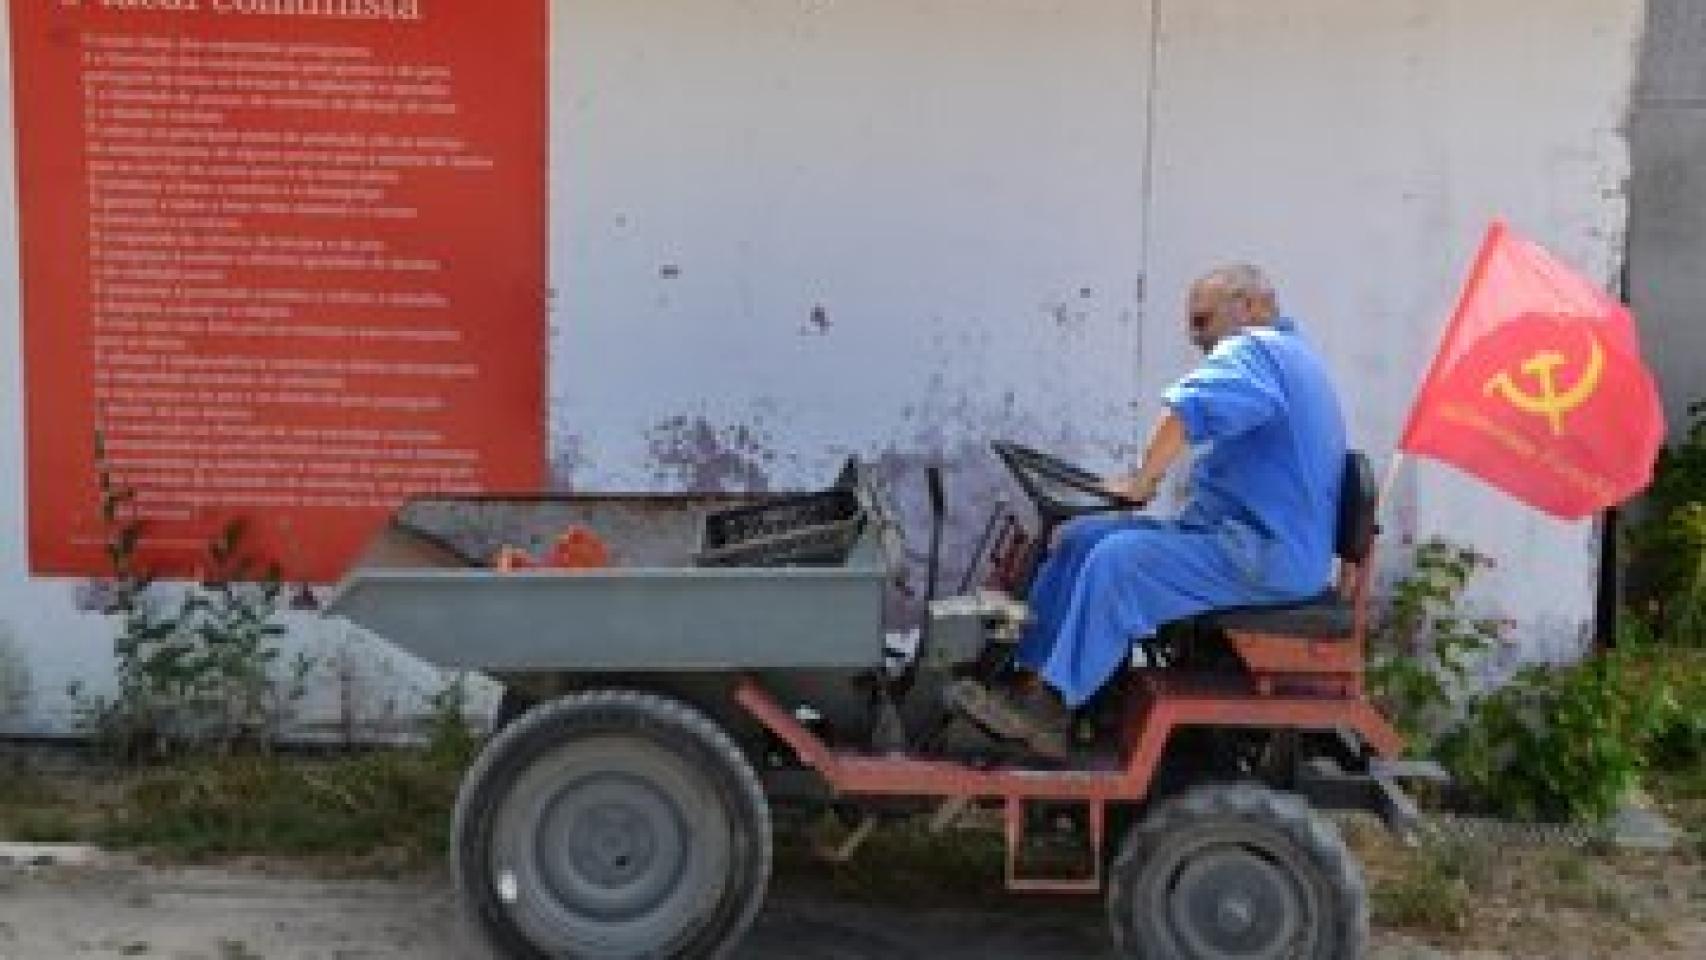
[1271, 449]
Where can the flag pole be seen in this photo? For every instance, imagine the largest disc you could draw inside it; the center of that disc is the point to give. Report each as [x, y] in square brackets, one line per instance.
[1391, 478]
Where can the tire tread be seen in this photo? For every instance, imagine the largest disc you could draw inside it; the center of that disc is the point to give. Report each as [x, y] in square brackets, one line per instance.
[1286, 813]
[643, 711]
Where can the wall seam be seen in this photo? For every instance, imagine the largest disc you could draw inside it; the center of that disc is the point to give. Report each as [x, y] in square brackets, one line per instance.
[1146, 247]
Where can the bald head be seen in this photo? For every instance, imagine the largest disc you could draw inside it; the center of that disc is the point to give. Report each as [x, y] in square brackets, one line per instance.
[1228, 299]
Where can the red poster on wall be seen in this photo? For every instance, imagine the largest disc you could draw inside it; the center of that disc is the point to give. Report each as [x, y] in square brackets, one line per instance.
[285, 258]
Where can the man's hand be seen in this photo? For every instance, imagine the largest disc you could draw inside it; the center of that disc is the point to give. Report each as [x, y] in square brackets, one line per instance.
[1138, 489]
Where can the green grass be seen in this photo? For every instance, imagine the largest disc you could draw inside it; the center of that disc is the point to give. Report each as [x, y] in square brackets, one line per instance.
[390, 802]
[19, 787]
[1428, 889]
[42, 826]
[35, 809]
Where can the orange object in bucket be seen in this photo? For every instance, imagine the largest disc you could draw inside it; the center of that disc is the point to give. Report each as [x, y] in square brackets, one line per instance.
[578, 548]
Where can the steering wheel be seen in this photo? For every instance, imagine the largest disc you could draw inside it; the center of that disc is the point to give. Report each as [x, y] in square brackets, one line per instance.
[1059, 489]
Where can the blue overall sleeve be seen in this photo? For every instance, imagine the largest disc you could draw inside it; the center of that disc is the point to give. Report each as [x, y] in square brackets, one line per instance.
[1232, 392]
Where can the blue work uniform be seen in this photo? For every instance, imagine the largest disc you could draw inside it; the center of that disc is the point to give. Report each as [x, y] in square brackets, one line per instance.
[1262, 416]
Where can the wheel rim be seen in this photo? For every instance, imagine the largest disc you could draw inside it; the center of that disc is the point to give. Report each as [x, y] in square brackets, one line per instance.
[1248, 898]
[1234, 903]
[610, 846]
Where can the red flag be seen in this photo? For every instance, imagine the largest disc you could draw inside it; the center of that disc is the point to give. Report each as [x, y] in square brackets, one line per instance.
[1538, 387]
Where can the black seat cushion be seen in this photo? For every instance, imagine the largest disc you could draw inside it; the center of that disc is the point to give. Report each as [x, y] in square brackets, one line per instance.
[1326, 617]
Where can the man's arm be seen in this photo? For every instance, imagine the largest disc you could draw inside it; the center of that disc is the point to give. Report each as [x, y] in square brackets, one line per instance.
[1166, 443]
[1229, 394]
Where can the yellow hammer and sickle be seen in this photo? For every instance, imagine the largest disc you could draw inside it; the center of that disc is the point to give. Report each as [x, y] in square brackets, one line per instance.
[1548, 402]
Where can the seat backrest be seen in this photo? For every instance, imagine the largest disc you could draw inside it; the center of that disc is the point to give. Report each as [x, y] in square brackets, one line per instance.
[1359, 497]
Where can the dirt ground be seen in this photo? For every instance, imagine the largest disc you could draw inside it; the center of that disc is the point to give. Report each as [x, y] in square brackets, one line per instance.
[246, 913]
[253, 911]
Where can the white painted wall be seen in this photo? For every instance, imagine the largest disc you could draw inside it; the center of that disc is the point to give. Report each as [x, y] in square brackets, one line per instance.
[788, 231]
[784, 230]
[40, 634]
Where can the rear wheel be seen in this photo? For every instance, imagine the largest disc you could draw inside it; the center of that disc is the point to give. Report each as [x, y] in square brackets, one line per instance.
[1236, 871]
[511, 707]
[612, 824]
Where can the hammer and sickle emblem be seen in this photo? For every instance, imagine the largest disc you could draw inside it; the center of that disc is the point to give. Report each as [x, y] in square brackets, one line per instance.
[1548, 401]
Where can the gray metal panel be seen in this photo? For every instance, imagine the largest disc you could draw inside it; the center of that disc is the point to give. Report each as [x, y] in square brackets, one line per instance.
[1670, 55]
[1667, 246]
[641, 530]
[1667, 197]
[624, 619]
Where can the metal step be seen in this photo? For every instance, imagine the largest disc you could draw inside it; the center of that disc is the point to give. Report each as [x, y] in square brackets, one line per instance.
[1408, 770]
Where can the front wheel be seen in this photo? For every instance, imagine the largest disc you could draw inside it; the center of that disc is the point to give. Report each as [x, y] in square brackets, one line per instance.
[1236, 871]
[612, 824]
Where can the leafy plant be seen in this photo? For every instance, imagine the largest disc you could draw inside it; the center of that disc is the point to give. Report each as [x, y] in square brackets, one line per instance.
[1570, 742]
[449, 738]
[1424, 650]
[1558, 743]
[197, 666]
[1676, 680]
[1554, 742]
[1668, 546]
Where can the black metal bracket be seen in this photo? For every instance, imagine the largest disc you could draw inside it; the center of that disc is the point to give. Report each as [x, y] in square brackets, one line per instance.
[1329, 786]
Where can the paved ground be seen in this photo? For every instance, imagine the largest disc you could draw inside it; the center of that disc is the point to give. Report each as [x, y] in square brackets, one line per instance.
[237, 913]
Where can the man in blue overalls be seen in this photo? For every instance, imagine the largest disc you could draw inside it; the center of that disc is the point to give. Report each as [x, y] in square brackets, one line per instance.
[1263, 419]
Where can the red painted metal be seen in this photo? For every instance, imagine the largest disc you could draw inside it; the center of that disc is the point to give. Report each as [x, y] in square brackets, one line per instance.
[1163, 704]
[1266, 653]
[1359, 576]
[1185, 701]
[857, 774]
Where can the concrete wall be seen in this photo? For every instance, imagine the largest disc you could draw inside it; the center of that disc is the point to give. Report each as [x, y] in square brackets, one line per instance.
[787, 230]
[1667, 243]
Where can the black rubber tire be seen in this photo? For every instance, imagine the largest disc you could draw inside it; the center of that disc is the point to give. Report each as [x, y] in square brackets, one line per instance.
[512, 706]
[611, 824]
[1236, 870]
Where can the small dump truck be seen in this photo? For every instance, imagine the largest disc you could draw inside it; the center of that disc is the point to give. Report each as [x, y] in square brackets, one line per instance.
[731, 658]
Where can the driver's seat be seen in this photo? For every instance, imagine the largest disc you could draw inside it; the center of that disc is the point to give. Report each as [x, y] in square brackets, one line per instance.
[1336, 614]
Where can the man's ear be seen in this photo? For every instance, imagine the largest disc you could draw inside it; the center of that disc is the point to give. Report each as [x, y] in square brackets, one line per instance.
[1248, 309]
